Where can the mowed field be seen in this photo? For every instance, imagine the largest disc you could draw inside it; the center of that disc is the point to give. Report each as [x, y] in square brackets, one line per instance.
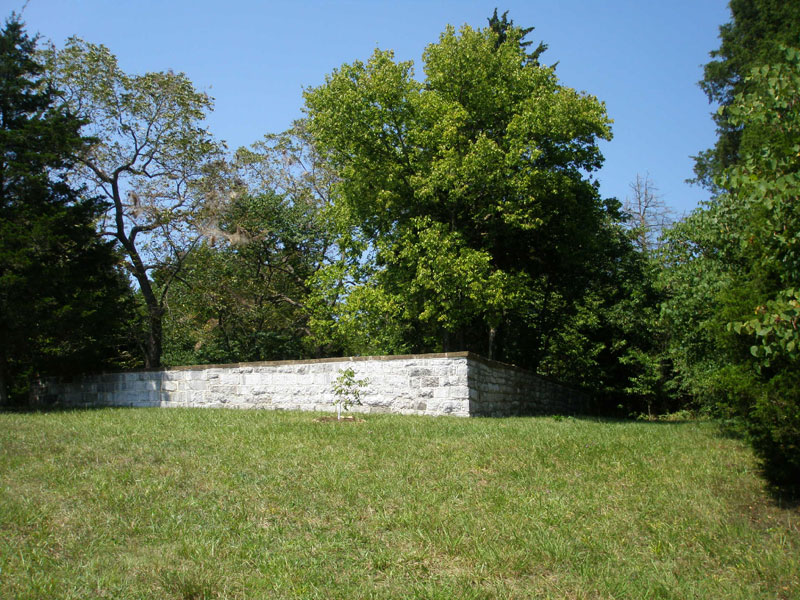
[201, 503]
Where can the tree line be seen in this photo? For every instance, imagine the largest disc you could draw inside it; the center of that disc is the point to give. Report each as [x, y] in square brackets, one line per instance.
[458, 211]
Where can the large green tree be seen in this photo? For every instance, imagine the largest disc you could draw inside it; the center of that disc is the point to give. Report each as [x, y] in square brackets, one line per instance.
[467, 209]
[60, 292]
[149, 152]
[733, 267]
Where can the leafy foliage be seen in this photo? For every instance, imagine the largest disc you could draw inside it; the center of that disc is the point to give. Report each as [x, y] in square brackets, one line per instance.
[347, 390]
[773, 424]
[465, 211]
[611, 343]
[241, 299]
[242, 294]
[736, 339]
[751, 39]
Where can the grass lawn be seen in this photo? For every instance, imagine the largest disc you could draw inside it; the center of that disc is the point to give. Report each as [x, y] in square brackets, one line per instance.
[200, 503]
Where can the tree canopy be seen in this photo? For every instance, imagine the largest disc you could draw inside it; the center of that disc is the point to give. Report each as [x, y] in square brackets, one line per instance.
[243, 294]
[467, 201]
[752, 37]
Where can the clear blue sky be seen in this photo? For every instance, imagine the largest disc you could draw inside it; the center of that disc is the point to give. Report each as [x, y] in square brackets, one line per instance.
[642, 57]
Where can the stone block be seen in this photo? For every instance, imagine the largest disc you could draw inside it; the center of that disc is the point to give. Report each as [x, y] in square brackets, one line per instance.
[429, 382]
[458, 391]
[252, 379]
[258, 390]
[196, 385]
[419, 372]
[440, 393]
[320, 378]
[453, 408]
[230, 378]
[458, 370]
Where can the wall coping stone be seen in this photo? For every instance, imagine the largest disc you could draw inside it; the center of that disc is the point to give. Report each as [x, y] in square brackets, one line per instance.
[299, 361]
[316, 361]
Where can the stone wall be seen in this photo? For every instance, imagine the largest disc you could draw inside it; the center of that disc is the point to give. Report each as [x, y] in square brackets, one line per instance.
[456, 383]
[498, 390]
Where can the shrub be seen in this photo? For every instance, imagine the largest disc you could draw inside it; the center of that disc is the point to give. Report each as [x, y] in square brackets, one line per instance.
[774, 428]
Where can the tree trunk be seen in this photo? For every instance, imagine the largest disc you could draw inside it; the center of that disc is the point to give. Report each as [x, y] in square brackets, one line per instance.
[152, 357]
[492, 336]
[155, 312]
[544, 327]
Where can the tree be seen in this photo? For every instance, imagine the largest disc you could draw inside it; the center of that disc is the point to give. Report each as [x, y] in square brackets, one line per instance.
[737, 256]
[464, 199]
[502, 25]
[648, 215]
[60, 292]
[243, 293]
[243, 298]
[749, 40]
[610, 342]
[766, 182]
[149, 152]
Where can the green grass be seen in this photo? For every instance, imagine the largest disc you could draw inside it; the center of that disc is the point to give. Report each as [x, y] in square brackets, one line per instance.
[193, 503]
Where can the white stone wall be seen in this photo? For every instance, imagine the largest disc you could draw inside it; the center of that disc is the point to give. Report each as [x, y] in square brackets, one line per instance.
[458, 384]
[424, 385]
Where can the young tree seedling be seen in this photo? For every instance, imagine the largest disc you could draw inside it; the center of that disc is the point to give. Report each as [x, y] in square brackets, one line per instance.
[347, 390]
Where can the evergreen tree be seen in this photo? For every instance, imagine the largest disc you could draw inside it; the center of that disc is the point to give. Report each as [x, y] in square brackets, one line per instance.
[59, 287]
[502, 25]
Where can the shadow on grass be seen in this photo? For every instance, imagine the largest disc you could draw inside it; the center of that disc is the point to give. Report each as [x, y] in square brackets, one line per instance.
[630, 420]
[53, 408]
[784, 498]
